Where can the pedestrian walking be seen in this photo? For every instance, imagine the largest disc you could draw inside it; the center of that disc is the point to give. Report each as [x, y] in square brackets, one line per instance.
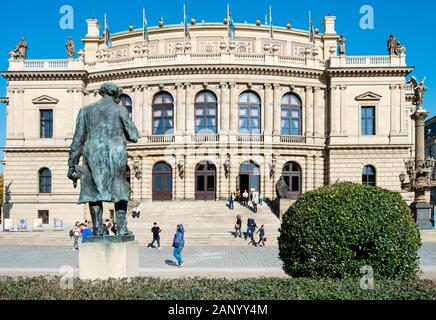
[260, 198]
[238, 226]
[261, 233]
[245, 198]
[238, 196]
[76, 235]
[255, 200]
[251, 229]
[179, 244]
[232, 201]
[156, 237]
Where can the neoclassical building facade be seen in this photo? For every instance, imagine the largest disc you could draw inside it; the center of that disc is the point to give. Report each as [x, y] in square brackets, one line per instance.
[214, 115]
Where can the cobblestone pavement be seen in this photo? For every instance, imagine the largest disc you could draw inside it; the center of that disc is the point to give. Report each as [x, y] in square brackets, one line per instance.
[229, 261]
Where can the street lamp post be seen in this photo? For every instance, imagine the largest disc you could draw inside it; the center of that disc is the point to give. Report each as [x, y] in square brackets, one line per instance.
[420, 169]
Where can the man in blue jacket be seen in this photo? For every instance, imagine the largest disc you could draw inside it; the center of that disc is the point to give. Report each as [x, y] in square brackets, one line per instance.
[178, 244]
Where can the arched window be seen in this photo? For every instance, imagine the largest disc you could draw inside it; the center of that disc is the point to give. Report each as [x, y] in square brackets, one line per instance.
[163, 114]
[292, 176]
[369, 176]
[162, 181]
[249, 113]
[126, 102]
[291, 115]
[44, 176]
[205, 113]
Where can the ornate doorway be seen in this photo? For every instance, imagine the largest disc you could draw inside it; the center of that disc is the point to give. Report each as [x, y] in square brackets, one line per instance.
[162, 182]
[205, 181]
[249, 177]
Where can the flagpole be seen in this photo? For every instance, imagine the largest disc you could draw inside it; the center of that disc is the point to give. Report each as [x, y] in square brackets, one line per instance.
[143, 27]
[270, 26]
[228, 25]
[184, 24]
[105, 30]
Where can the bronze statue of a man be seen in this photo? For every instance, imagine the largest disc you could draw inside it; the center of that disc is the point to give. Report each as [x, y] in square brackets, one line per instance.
[102, 129]
[282, 189]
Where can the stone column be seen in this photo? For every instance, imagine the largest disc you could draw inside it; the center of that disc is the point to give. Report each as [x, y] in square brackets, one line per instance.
[342, 110]
[309, 112]
[19, 115]
[277, 110]
[318, 112]
[10, 115]
[402, 117]
[147, 112]
[137, 107]
[225, 108]
[334, 118]
[234, 110]
[189, 109]
[180, 112]
[268, 106]
[392, 109]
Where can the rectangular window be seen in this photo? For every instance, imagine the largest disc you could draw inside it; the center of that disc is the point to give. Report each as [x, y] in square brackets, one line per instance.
[368, 121]
[44, 215]
[46, 124]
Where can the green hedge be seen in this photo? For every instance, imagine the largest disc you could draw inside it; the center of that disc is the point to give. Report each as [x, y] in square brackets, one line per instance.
[215, 289]
[334, 231]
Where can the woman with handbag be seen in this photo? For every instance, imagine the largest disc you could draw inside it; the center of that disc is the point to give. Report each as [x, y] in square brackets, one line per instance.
[238, 226]
[178, 244]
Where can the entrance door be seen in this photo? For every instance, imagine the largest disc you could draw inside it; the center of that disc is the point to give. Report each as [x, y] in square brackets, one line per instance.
[249, 177]
[205, 181]
[162, 182]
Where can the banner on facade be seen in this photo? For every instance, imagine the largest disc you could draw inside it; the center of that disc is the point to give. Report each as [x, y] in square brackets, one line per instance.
[37, 224]
[58, 224]
[9, 225]
[22, 225]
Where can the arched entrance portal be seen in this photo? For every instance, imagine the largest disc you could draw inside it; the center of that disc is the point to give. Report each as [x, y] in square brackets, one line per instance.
[249, 177]
[162, 182]
[292, 176]
[205, 181]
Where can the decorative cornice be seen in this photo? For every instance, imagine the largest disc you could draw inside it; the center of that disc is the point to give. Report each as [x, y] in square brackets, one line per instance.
[369, 72]
[205, 69]
[44, 75]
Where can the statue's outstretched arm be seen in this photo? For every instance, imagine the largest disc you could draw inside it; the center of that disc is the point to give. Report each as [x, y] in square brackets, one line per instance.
[130, 131]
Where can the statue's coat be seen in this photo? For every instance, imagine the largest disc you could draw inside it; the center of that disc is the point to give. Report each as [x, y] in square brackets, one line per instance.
[102, 129]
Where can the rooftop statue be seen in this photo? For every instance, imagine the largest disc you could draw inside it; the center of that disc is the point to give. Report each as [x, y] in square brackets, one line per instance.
[102, 129]
[341, 45]
[20, 52]
[393, 45]
[282, 189]
[70, 48]
[419, 89]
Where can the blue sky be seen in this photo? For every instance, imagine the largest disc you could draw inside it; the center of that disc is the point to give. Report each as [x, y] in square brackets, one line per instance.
[38, 22]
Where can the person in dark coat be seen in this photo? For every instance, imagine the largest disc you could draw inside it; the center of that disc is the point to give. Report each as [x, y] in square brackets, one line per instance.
[179, 244]
[261, 233]
[102, 130]
[156, 236]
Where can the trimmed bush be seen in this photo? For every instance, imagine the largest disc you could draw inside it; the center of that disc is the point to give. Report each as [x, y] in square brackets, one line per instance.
[334, 231]
[42, 288]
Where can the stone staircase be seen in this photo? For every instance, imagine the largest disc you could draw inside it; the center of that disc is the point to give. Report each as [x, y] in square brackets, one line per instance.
[206, 224]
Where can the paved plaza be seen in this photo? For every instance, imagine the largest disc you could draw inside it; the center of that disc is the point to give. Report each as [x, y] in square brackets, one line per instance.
[213, 262]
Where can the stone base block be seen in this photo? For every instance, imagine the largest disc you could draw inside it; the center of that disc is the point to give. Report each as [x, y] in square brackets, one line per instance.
[108, 260]
[284, 206]
[422, 213]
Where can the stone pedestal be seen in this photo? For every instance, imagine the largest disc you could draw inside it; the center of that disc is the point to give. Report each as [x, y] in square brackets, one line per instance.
[107, 259]
[284, 205]
[422, 212]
